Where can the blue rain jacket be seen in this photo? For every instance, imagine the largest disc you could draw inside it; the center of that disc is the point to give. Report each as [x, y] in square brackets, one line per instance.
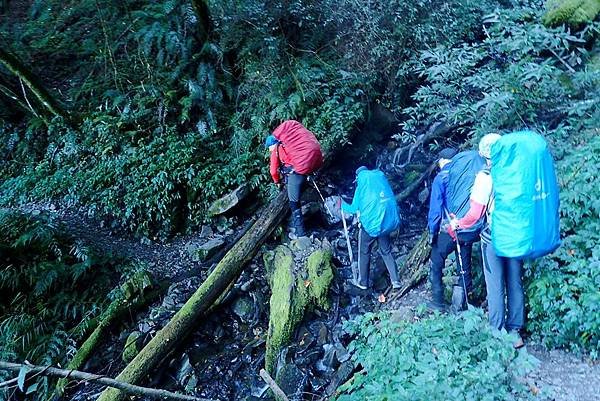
[375, 203]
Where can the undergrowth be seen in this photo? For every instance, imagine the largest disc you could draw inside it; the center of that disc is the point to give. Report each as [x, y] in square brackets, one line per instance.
[442, 357]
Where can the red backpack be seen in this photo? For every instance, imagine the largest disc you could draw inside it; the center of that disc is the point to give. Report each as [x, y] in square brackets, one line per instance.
[301, 145]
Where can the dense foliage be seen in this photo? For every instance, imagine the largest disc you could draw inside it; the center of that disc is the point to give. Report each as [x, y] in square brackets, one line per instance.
[525, 75]
[439, 357]
[52, 289]
[172, 105]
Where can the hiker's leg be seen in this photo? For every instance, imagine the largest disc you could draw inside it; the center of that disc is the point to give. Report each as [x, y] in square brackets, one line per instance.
[515, 317]
[493, 271]
[439, 252]
[385, 250]
[365, 241]
[466, 249]
[294, 188]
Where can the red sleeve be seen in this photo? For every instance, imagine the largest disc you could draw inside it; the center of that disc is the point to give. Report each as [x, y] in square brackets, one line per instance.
[274, 165]
[475, 213]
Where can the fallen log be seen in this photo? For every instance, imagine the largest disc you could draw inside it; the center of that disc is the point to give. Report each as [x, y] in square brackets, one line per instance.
[226, 271]
[84, 376]
[132, 299]
[416, 266]
[402, 196]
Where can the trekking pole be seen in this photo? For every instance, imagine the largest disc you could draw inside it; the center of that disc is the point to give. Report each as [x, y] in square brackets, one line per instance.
[322, 198]
[460, 263]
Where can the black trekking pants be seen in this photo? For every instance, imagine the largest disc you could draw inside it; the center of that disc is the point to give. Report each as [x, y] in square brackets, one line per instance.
[365, 242]
[440, 250]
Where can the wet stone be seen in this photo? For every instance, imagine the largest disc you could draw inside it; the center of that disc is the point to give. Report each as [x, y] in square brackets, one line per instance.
[342, 375]
[206, 232]
[243, 307]
[292, 381]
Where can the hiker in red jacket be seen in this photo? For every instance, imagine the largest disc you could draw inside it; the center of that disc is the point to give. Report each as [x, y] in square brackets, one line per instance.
[295, 153]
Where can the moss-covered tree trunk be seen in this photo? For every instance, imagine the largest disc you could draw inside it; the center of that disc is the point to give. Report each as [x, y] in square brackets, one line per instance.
[51, 105]
[226, 271]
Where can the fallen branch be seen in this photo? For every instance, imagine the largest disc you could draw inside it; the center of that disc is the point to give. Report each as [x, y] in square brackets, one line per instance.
[416, 264]
[78, 375]
[436, 130]
[279, 394]
[226, 271]
[402, 196]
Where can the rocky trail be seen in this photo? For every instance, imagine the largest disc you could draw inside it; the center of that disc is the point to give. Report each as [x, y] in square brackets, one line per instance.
[224, 355]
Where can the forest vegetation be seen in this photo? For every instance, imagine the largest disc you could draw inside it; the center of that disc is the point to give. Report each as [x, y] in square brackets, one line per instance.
[140, 114]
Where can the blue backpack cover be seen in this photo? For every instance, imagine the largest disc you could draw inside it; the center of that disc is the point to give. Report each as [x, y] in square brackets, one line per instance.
[461, 177]
[376, 203]
[525, 218]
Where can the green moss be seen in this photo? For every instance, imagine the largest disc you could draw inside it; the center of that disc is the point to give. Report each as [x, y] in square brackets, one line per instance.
[286, 307]
[320, 275]
[571, 12]
[293, 291]
[131, 349]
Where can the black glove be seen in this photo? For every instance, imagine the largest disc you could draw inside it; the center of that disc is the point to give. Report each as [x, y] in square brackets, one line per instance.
[432, 239]
[279, 186]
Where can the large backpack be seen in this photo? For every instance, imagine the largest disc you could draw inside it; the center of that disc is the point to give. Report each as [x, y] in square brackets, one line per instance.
[525, 219]
[379, 213]
[301, 145]
[461, 176]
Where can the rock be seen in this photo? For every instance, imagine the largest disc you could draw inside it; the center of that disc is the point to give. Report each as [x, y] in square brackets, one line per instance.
[342, 375]
[200, 253]
[292, 381]
[229, 201]
[329, 362]
[295, 288]
[206, 231]
[574, 13]
[243, 308]
[132, 346]
[301, 243]
[403, 313]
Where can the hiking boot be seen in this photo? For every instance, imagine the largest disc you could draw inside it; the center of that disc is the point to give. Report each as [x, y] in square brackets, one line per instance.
[396, 285]
[357, 284]
[297, 226]
[518, 343]
[438, 306]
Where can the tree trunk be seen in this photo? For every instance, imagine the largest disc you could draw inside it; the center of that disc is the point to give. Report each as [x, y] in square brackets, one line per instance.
[203, 13]
[226, 271]
[31, 81]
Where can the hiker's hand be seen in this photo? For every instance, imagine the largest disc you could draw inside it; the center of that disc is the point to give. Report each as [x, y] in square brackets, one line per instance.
[279, 186]
[453, 222]
[451, 231]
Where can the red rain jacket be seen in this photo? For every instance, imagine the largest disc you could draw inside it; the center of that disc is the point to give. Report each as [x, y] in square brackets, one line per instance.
[299, 148]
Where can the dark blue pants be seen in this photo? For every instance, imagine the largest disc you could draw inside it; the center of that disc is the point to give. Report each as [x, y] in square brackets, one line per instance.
[440, 250]
[365, 242]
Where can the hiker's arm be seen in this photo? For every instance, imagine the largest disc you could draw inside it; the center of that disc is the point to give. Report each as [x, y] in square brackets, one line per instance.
[434, 217]
[274, 167]
[352, 208]
[480, 197]
[475, 213]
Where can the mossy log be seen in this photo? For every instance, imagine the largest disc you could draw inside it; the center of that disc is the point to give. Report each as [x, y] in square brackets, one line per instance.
[135, 293]
[226, 271]
[50, 104]
[294, 290]
[416, 265]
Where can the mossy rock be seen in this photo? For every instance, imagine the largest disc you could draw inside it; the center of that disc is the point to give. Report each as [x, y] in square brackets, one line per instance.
[320, 275]
[131, 348]
[574, 13]
[136, 284]
[293, 291]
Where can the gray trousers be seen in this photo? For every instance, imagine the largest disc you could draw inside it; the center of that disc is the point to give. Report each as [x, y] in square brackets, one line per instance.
[295, 182]
[505, 296]
[365, 242]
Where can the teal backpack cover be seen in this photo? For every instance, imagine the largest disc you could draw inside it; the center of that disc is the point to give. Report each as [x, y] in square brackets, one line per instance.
[376, 203]
[525, 218]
